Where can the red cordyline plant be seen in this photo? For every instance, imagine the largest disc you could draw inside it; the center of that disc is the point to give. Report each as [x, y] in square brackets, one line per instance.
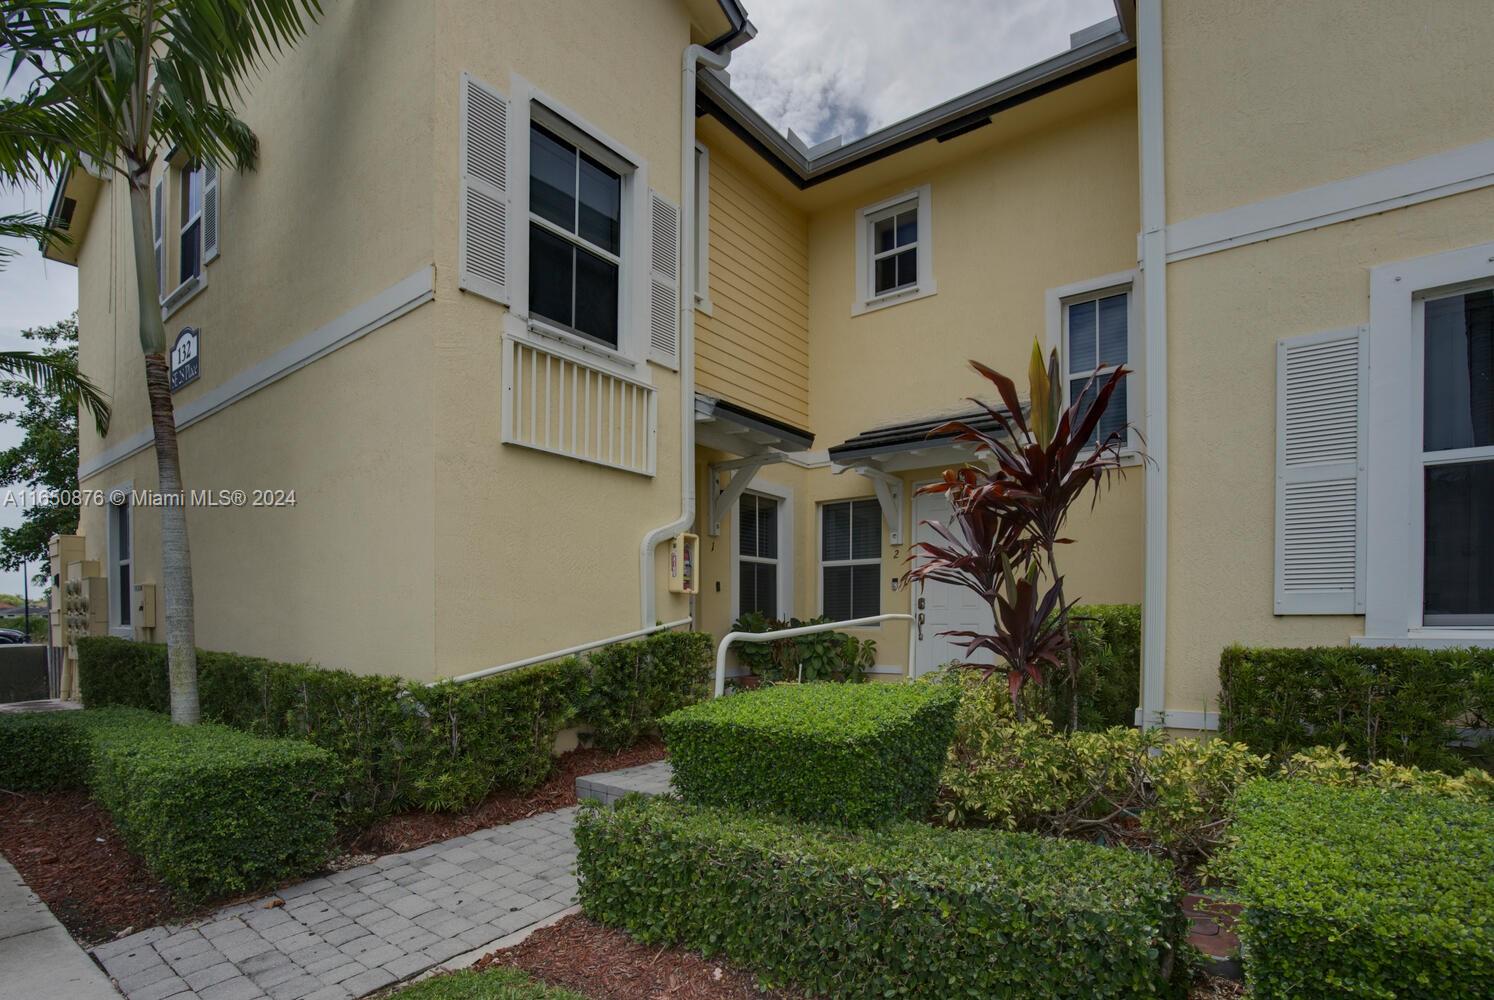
[1008, 518]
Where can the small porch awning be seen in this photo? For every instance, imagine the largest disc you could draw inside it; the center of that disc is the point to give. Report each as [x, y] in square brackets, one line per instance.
[879, 453]
[756, 439]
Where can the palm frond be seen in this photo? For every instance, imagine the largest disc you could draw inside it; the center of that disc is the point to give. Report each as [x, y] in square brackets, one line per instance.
[28, 226]
[59, 376]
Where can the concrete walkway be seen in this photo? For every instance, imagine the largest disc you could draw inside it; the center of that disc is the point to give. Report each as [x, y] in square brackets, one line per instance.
[353, 932]
[38, 958]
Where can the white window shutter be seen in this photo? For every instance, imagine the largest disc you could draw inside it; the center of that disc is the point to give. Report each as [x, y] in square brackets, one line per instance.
[1320, 473]
[484, 191]
[209, 213]
[664, 281]
[160, 236]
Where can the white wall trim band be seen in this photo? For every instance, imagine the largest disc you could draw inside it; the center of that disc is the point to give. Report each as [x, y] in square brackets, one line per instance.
[385, 307]
[1466, 168]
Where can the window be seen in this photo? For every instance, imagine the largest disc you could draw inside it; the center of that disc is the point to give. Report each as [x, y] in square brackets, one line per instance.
[1096, 339]
[757, 555]
[189, 254]
[893, 251]
[575, 237]
[1457, 459]
[851, 559]
[120, 558]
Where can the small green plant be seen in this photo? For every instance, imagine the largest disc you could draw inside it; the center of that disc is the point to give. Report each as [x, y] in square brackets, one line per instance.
[1362, 892]
[488, 984]
[836, 753]
[1331, 766]
[906, 910]
[818, 656]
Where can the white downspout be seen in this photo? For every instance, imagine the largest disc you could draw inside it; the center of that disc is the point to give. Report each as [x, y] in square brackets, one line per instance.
[1154, 302]
[695, 55]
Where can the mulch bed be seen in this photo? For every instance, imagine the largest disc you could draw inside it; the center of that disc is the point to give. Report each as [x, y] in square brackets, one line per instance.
[67, 850]
[606, 964]
[407, 831]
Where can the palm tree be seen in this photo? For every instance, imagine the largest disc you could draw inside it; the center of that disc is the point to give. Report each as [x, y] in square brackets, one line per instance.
[114, 85]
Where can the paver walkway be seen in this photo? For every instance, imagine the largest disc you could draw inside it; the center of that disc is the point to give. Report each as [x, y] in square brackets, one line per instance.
[352, 932]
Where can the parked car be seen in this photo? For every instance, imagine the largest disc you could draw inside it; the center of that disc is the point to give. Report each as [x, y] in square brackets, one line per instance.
[12, 635]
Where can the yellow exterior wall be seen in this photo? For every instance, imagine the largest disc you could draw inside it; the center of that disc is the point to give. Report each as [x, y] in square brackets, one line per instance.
[753, 347]
[1269, 97]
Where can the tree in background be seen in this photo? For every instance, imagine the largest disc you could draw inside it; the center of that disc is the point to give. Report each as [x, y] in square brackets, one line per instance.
[47, 457]
[116, 85]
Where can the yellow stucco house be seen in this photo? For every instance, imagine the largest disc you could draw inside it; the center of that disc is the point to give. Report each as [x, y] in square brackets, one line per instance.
[523, 291]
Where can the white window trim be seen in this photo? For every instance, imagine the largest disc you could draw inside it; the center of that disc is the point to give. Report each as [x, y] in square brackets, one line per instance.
[866, 301]
[819, 550]
[785, 497]
[1056, 301]
[1393, 577]
[627, 360]
[703, 231]
[116, 599]
[185, 291]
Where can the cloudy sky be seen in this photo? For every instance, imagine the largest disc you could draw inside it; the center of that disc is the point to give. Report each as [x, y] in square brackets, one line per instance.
[850, 67]
[821, 68]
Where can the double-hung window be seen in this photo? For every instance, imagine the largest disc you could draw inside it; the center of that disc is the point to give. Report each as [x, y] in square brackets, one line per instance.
[189, 254]
[1097, 332]
[1457, 460]
[851, 559]
[894, 260]
[575, 237]
[757, 555]
[894, 235]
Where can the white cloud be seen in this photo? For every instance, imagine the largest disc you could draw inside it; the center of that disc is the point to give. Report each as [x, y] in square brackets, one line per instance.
[852, 66]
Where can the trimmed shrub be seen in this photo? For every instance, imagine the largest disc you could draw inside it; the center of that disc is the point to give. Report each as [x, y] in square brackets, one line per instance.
[400, 743]
[907, 910]
[1107, 644]
[635, 684]
[818, 656]
[1357, 892]
[52, 751]
[1403, 705]
[1328, 766]
[213, 811]
[835, 753]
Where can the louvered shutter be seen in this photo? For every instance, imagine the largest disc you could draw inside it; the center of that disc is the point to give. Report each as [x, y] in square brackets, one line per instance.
[159, 221]
[484, 191]
[664, 282]
[1320, 473]
[209, 213]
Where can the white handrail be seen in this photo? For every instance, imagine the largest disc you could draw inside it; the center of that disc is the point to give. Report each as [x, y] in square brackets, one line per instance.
[561, 653]
[789, 633]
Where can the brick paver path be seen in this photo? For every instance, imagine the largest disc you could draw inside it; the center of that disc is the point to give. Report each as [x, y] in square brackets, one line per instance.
[355, 931]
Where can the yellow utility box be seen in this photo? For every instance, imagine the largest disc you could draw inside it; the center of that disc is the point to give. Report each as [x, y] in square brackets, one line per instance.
[684, 564]
[145, 609]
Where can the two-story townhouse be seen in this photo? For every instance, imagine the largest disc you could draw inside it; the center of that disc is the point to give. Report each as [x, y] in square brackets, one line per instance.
[522, 293]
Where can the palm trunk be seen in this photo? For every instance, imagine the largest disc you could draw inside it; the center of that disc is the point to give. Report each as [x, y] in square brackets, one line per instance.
[176, 561]
[1070, 664]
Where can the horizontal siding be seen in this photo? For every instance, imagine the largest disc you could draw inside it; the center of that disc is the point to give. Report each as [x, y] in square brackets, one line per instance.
[754, 350]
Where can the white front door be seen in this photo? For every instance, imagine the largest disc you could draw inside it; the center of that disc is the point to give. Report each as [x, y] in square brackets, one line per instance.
[944, 605]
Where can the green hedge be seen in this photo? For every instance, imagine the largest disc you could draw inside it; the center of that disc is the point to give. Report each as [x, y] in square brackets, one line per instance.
[494, 983]
[836, 753]
[400, 743]
[212, 811]
[1358, 893]
[907, 910]
[1404, 705]
[1107, 644]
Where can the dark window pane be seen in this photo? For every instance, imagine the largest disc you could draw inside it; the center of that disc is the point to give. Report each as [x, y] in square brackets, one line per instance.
[1113, 330]
[747, 525]
[601, 205]
[907, 267]
[191, 179]
[552, 178]
[191, 250]
[866, 530]
[767, 588]
[767, 528]
[838, 593]
[1459, 543]
[121, 531]
[866, 591]
[835, 533]
[551, 280]
[1082, 336]
[126, 595]
[1114, 420]
[883, 234]
[1458, 401]
[1082, 392]
[886, 274]
[907, 228]
[596, 297]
